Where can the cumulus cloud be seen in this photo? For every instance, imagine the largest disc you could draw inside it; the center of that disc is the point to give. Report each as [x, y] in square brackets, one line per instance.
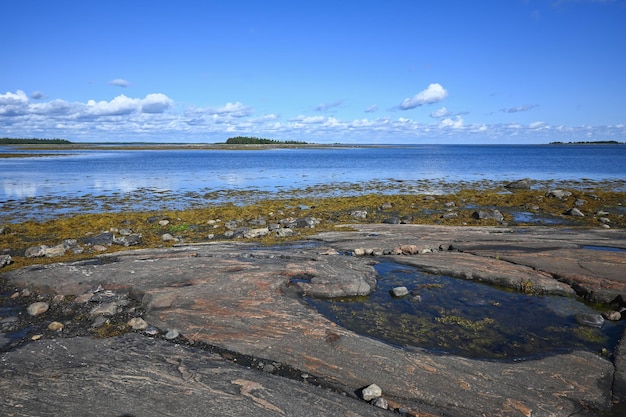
[442, 112]
[434, 93]
[448, 123]
[13, 99]
[156, 103]
[231, 109]
[518, 109]
[119, 82]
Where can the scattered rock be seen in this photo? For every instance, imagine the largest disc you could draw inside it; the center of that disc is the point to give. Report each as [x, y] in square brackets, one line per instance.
[575, 212]
[371, 392]
[591, 320]
[137, 323]
[102, 239]
[523, 184]
[38, 308]
[55, 326]
[172, 334]
[129, 240]
[256, 233]
[284, 232]
[450, 215]
[380, 402]
[35, 252]
[166, 237]
[612, 315]
[5, 260]
[488, 215]
[560, 194]
[108, 309]
[400, 292]
[359, 214]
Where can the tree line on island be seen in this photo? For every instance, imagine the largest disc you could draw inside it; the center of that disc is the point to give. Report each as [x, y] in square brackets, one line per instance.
[596, 142]
[250, 140]
[33, 141]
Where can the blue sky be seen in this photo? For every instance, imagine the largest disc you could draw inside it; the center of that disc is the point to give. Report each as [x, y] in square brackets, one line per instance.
[489, 71]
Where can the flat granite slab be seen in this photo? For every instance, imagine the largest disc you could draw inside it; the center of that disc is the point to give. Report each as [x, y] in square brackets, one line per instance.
[245, 299]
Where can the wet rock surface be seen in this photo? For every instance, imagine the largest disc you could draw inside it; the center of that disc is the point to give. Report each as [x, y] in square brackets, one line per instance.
[245, 299]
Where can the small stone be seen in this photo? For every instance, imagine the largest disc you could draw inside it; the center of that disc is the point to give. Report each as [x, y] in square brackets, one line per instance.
[371, 392]
[99, 322]
[359, 214]
[558, 194]
[400, 292]
[36, 251]
[380, 402]
[36, 337]
[55, 326]
[137, 323]
[523, 184]
[5, 260]
[108, 309]
[163, 222]
[172, 334]
[591, 320]
[409, 250]
[81, 299]
[35, 309]
[151, 331]
[575, 212]
[359, 252]
[99, 248]
[166, 237]
[612, 315]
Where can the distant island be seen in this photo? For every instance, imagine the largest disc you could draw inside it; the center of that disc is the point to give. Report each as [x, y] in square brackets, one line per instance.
[597, 142]
[33, 141]
[249, 140]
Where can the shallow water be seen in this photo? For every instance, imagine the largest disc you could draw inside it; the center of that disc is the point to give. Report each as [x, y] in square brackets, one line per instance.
[467, 318]
[103, 180]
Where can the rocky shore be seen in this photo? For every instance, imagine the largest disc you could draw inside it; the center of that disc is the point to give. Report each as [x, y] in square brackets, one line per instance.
[91, 326]
[242, 300]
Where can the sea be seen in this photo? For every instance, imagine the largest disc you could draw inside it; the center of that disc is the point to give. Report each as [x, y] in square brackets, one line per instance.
[64, 181]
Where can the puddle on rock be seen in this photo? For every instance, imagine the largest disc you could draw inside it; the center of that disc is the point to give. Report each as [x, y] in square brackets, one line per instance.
[453, 316]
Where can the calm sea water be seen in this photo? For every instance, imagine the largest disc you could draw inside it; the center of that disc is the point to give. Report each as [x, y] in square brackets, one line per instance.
[156, 176]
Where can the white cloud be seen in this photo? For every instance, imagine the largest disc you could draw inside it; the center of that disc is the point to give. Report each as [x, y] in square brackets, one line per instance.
[432, 94]
[156, 103]
[156, 117]
[120, 105]
[231, 109]
[371, 109]
[13, 99]
[442, 112]
[118, 82]
[449, 123]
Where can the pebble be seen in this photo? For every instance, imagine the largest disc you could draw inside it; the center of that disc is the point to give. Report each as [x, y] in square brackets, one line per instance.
[137, 323]
[108, 309]
[371, 392]
[172, 334]
[591, 320]
[612, 315]
[35, 309]
[55, 326]
[380, 402]
[400, 291]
